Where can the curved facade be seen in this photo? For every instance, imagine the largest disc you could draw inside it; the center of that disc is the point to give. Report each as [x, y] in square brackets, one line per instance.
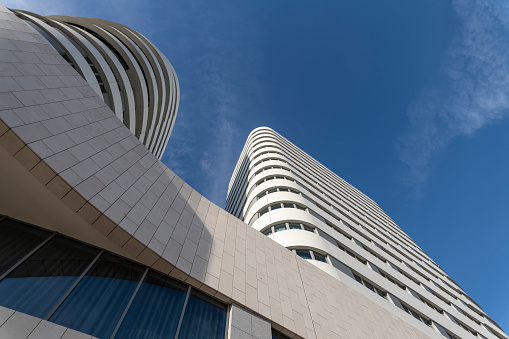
[132, 76]
[290, 197]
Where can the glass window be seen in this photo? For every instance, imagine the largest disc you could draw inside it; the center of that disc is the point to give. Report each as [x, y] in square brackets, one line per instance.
[16, 241]
[320, 257]
[265, 210]
[278, 228]
[36, 286]
[359, 280]
[381, 293]
[96, 304]
[304, 254]
[277, 335]
[283, 190]
[288, 205]
[308, 228]
[272, 190]
[155, 311]
[277, 177]
[269, 178]
[300, 207]
[261, 195]
[204, 317]
[275, 207]
[294, 226]
[268, 231]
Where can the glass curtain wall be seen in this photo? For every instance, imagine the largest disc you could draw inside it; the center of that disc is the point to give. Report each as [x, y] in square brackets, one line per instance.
[92, 291]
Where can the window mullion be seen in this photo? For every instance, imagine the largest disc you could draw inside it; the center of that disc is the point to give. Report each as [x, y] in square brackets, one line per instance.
[129, 304]
[44, 242]
[183, 311]
[73, 285]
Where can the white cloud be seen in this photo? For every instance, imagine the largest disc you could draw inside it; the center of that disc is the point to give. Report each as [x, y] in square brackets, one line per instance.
[470, 92]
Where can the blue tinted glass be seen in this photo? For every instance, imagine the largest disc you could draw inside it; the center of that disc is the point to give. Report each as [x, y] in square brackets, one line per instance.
[278, 228]
[156, 309]
[204, 317]
[304, 254]
[37, 285]
[97, 303]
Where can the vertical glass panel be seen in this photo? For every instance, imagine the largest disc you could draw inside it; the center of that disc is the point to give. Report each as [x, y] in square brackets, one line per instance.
[294, 226]
[156, 309]
[320, 257]
[278, 228]
[304, 254]
[97, 303]
[36, 286]
[205, 317]
[16, 241]
[275, 207]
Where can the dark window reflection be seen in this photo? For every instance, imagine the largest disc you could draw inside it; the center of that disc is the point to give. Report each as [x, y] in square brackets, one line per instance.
[97, 303]
[37, 285]
[156, 309]
[204, 317]
[16, 241]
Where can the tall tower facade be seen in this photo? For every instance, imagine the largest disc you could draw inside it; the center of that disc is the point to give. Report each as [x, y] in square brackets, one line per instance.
[282, 192]
[123, 67]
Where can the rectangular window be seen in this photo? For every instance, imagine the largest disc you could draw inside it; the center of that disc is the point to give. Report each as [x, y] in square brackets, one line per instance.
[288, 205]
[279, 228]
[294, 226]
[16, 241]
[268, 231]
[304, 254]
[320, 257]
[275, 207]
[155, 310]
[98, 301]
[36, 286]
[204, 317]
[308, 228]
[265, 210]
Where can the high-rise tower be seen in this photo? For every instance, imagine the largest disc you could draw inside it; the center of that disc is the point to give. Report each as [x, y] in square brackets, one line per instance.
[123, 67]
[287, 195]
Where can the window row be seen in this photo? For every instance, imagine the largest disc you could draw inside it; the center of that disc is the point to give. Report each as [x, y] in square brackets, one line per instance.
[267, 152]
[288, 226]
[392, 266]
[274, 190]
[370, 286]
[311, 255]
[281, 205]
[73, 284]
[273, 177]
[271, 167]
[269, 159]
[402, 286]
[417, 315]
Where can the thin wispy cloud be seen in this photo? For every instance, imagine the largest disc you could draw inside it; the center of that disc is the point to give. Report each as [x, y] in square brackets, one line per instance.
[218, 87]
[469, 93]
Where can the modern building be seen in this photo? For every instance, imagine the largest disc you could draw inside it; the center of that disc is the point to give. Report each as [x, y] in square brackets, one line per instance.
[284, 193]
[135, 80]
[98, 238]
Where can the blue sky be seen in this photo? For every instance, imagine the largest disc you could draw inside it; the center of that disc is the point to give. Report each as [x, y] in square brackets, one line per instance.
[408, 101]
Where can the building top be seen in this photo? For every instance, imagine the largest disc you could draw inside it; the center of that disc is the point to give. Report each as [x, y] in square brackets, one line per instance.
[123, 67]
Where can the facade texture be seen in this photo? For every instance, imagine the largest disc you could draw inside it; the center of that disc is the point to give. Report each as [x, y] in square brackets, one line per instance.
[98, 238]
[132, 76]
[287, 195]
